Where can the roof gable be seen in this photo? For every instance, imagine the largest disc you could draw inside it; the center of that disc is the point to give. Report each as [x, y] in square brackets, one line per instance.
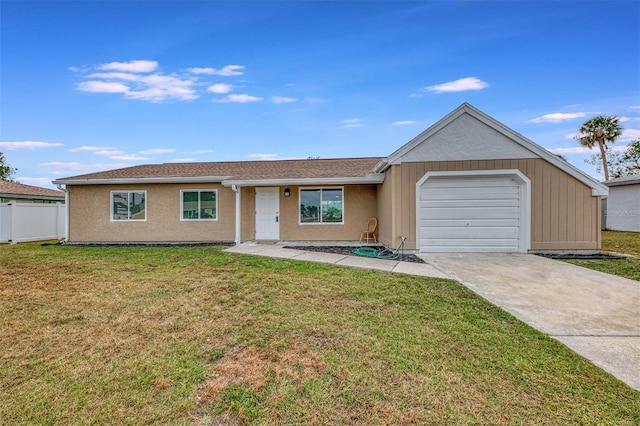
[464, 133]
[465, 137]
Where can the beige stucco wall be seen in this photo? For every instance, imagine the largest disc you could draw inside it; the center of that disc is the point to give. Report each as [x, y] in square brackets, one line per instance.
[564, 214]
[90, 215]
[359, 204]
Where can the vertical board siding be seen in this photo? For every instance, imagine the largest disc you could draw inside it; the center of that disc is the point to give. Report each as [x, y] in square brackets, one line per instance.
[564, 214]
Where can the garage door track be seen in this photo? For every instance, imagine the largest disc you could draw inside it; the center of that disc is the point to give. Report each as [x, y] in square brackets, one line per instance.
[595, 314]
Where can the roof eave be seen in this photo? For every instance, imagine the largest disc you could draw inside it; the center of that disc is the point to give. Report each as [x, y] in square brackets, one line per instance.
[130, 181]
[370, 179]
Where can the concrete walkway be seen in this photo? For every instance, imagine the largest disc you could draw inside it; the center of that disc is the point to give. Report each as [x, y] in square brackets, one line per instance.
[277, 250]
[597, 315]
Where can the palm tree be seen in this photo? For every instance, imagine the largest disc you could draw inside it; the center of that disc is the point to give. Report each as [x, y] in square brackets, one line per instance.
[600, 130]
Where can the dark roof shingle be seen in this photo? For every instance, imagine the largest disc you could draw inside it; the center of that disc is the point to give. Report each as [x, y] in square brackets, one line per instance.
[19, 190]
[244, 170]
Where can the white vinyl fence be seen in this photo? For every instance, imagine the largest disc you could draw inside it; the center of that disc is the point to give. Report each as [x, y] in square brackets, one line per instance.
[20, 222]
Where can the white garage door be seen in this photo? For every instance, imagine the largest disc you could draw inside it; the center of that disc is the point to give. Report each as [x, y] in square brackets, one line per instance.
[469, 214]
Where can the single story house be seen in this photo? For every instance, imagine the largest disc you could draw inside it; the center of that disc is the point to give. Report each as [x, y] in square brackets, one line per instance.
[21, 193]
[467, 183]
[623, 204]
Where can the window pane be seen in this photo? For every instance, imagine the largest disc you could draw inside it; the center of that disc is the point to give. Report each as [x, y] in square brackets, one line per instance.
[207, 205]
[190, 205]
[310, 206]
[120, 205]
[137, 203]
[332, 205]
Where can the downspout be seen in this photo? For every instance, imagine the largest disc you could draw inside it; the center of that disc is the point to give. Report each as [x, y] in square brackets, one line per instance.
[66, 215]
[235, 189]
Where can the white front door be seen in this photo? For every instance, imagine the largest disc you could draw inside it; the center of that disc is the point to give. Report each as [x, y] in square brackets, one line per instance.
[267, 213]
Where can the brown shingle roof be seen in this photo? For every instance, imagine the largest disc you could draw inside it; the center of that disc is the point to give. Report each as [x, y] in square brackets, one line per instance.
[19, 190]
[244, 170]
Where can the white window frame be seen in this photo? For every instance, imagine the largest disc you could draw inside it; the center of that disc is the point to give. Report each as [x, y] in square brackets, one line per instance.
[321, 188]
[182, 191]
[128, 191]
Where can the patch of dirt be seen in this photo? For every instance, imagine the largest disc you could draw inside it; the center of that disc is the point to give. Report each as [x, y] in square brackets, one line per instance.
[253, 368]
[344, 250]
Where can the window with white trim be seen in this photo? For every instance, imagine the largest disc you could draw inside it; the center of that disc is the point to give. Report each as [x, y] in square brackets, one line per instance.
[321, 205]
[199, 204]
[128, 205]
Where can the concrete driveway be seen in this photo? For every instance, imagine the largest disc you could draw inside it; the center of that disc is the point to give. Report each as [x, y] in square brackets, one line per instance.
[595, 314]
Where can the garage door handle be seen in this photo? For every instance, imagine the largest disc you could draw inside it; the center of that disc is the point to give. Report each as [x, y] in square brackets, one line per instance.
[276, 218]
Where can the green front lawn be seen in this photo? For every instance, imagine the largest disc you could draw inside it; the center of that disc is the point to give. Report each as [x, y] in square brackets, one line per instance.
[627, 243]
[197, 336]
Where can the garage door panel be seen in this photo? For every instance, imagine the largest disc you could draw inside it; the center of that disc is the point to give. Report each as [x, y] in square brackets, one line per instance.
[458, 182]
[493, 246]
[475, 233]
[471, 214]
[441, 223]
[445, 242]
[510, 202]
[469, 193]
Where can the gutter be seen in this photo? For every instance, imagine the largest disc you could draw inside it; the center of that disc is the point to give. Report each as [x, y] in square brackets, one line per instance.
[66, 216]
[382, 165]
[133, 180]
[236, 189]
[369, 179]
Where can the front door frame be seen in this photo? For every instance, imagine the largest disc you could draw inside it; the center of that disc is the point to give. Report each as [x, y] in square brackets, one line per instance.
[267, 213]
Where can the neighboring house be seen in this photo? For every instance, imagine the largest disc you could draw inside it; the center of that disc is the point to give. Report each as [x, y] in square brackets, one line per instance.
[30, 213]
[12, 191]
[623, 204]
[467, 183]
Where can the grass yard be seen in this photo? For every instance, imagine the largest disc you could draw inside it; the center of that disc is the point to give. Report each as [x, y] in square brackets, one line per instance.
[197, 336]
[617, 242]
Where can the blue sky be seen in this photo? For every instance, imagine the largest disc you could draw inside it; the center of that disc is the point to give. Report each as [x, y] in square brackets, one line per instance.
[89, 86]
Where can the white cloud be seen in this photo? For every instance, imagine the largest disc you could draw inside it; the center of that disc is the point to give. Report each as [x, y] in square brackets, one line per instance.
[403, 123]
[155, 87]
[350, 123]
[102, 87]
[242, 99]
[557, 117]
[66, 169]
[282, 100]
[634, 107]
[90, 148]
[201, 151]
[226, 71]
[108, 152]
[582, 150]
[129, 157]
[316, 100]
[461, 85]
[630, 134]
[198, 70]
[182, 160]
[230, 70]
[624, 119]
[220, 88]
[132, 66]
[29, 145]
[264, 157]
[41, 181]
[153, 151]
